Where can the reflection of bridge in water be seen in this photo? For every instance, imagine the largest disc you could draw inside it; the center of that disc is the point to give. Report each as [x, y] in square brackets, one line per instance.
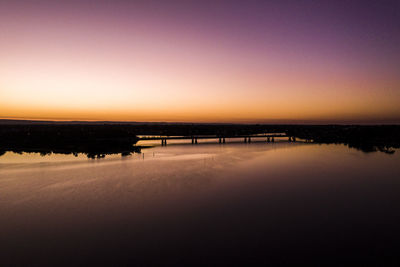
[269, 137]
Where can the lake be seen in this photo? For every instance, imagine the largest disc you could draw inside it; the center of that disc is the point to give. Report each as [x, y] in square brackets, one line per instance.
[207, 204]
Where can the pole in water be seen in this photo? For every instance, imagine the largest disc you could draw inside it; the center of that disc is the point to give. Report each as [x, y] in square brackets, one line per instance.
[223, 140]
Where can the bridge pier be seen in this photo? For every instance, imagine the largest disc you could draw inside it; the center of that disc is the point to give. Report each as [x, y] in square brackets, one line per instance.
[223, 140]
[220, 140]
[268, 139]
[272, 139]
[195, 140]
[249, 139]
[245, 140]
[192, 140]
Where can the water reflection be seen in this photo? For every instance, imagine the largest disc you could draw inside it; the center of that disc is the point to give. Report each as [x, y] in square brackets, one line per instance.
[277, 204]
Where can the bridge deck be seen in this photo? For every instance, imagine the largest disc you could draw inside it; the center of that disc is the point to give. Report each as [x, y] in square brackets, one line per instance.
[209, 136]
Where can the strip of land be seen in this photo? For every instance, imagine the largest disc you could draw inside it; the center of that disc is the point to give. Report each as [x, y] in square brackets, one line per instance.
[97, 139]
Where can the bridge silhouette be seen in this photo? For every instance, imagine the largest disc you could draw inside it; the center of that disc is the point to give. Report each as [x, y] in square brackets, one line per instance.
[269, 137]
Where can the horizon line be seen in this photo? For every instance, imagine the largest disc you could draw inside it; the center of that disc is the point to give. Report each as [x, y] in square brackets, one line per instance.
[269, 121]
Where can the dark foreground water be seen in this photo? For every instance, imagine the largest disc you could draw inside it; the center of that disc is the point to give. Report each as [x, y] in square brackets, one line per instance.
[206, 204]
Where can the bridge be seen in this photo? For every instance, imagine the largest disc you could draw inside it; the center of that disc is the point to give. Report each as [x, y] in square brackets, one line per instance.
[269, 137]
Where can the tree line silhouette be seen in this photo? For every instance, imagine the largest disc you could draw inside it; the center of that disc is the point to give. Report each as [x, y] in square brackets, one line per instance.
[97, 139]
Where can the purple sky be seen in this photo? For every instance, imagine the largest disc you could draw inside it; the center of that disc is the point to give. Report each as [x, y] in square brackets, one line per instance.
[201, 60]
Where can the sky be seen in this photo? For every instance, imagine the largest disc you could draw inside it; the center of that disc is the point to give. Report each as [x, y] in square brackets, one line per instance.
[201, 61]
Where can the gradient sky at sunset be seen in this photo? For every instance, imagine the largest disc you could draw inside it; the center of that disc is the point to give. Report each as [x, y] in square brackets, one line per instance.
[201, 61]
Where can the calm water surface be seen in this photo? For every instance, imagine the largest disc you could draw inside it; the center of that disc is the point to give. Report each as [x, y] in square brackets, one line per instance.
[259, 203]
